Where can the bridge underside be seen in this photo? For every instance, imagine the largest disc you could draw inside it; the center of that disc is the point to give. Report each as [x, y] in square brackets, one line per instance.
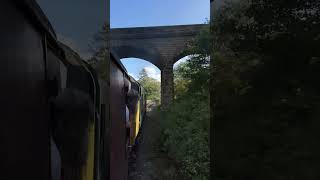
[161, 46]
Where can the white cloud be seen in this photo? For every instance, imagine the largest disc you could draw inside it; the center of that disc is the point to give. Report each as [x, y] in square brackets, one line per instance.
[182, 60]
[153, 72]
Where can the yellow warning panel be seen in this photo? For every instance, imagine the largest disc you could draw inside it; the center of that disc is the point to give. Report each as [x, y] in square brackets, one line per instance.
[88, 169]
[137, 119]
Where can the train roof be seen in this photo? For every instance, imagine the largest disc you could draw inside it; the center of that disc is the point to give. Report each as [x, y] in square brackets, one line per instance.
[70, 55]
[116, 59]
[33, 12]
[36, 15]
[135, 81]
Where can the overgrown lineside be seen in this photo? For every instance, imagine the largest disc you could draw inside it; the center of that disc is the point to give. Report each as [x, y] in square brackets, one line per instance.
[265, 89]
[185, 123]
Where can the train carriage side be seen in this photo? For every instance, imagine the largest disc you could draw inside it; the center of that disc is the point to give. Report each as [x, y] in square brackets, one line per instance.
[78, 123]
[142, 105]
[125, 93]
[37, 74]
[118, 130]
[135, 113]
[74, 114]
[24, 130]
[50, 96]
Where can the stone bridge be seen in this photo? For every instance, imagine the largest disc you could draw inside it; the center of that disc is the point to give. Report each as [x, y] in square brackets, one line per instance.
[161, 46]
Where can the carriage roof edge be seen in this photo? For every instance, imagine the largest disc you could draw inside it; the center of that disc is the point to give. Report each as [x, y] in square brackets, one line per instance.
[37, 17]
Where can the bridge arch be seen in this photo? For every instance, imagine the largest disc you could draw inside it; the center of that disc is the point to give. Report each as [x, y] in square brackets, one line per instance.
[135, 65]
[160, 45]
[138, 64]
[128, 51]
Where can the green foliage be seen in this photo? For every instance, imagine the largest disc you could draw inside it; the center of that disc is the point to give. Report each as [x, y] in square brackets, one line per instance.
[192, 76]
[181, 82]
[265, 90]
[152, 86]
[185, 124]
[185, 135]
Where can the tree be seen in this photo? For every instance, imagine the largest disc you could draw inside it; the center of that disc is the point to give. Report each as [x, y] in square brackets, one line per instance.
[265, 88]
[192, 76]
[186, 121]
[150, 85]
[143, 74]
[181, 82]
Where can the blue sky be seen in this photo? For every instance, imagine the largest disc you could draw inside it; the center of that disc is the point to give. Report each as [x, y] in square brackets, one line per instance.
[135, 65]
[138, 13]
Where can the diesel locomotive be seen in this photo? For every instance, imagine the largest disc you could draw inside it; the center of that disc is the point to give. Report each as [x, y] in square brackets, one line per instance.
[60, 119]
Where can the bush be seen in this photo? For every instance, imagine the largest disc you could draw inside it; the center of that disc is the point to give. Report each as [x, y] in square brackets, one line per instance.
[185, 123]
[266, 90]
[185, 135]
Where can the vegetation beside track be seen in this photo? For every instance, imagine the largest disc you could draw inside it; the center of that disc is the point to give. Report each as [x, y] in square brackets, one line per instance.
[185, 123]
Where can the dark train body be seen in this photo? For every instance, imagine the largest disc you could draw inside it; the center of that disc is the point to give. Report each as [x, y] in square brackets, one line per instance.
[126, 97]
[56, 123]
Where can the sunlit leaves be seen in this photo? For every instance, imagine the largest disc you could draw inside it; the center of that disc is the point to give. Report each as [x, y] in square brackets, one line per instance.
[151, 86]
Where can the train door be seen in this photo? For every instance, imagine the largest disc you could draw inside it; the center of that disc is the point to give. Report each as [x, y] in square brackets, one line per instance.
[24, 133]
[56, 82]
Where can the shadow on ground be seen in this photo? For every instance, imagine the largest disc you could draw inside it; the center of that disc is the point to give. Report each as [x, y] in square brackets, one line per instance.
[146, 161]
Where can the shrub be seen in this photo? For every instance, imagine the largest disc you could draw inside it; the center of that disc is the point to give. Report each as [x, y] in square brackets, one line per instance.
[185, 135]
